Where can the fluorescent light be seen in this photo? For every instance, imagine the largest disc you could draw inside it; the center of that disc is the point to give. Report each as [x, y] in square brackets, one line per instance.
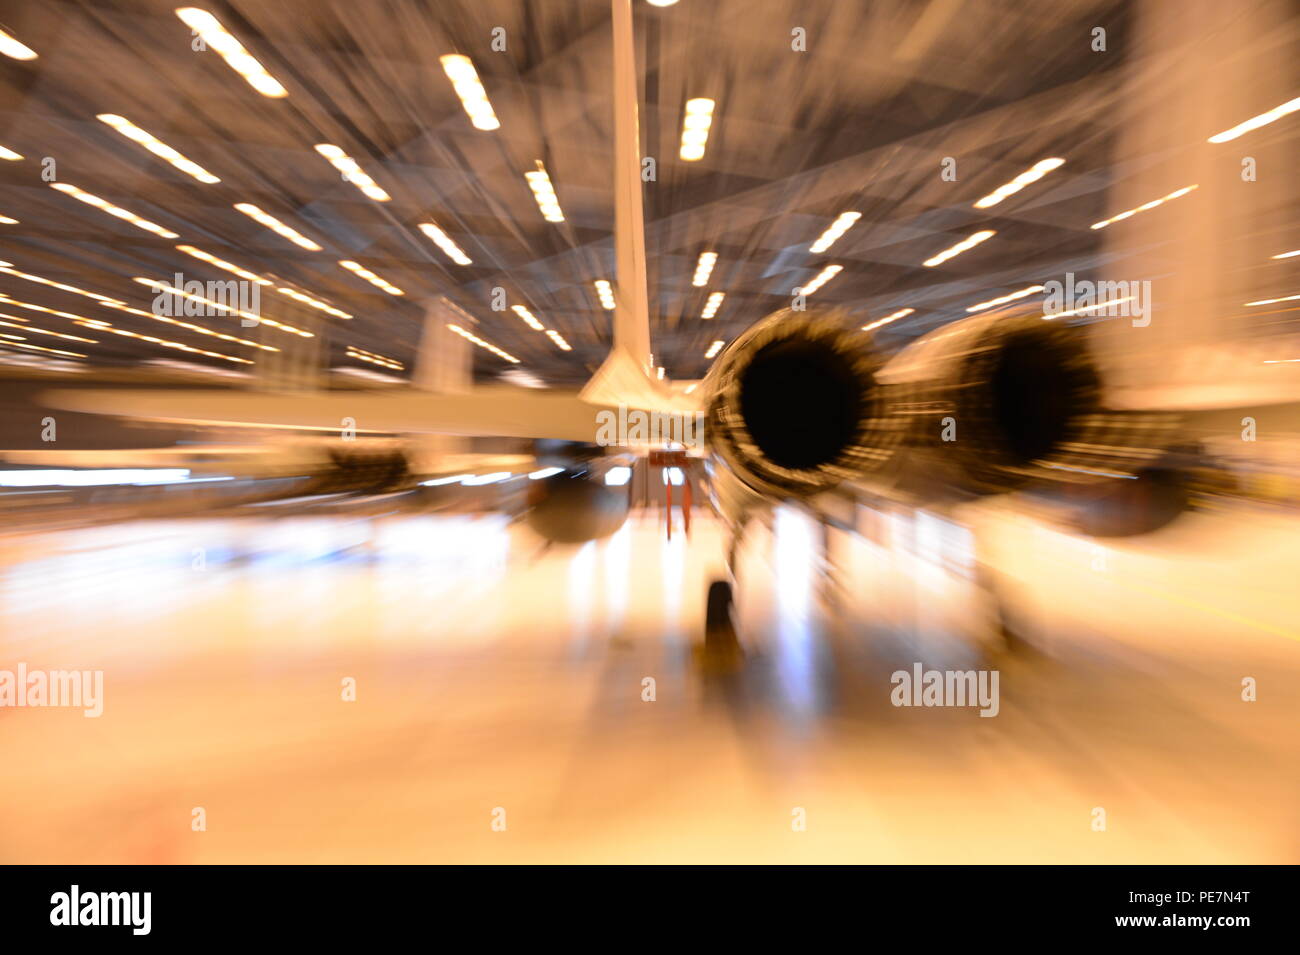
[464, 79]
[703, 268]
[544, 473]
[198, 329]
[1287, 255]
[540, 182]
[108, 329]
[31, 329]
[223, 264]
[443, 241]
[156, 146]
[438, 482]
[18, 51]
[618, 476]
[711, 306]
[381, 360]
[482, 344]
[6, 220]
[967, 243]
[529, 319]
[556, 337]
[901, 313]
[231, 50]
[370, 277]
[1143, 208]
[1089, 308]
[1031, 175]
[41, 348]
[822, 277]
[1263, 119]
[6, 153]
[221, 306]
[118, 211]
[477, 480]
[313, 302]
[6, 300]
[843, 222]
[714, 348]
[605, 293]
[7, 269]
[276, 226]
[1003, 299]
[1273, 301]
[352, 172]
[68, 477]
[695, 128]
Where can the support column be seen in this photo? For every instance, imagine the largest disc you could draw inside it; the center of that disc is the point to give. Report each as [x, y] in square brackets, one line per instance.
[444, 363]
[1197, 68]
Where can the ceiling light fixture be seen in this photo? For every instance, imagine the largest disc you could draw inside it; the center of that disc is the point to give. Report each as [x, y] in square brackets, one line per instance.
[464, 80]
[18, 51]
[276, 226]
[704, 268]
[540, 182]
[352, 172]
[1143, 208]
[1263, 119]
[824, 276]
[842, 224]
[1031, 175]
[198, 329]
[118, 211]
[223, 264]
[444, 242]
[370, 277]
[232, 51]
[528, 318]
[482, 344]
[901, 313]
[313, 302]
[695, 128]
[1003, 299]
[156, 146]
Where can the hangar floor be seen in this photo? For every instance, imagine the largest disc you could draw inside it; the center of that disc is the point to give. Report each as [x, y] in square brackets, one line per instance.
[491, 676]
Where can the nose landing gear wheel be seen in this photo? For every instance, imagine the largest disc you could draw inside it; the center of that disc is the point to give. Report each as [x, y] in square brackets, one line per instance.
[721, 650]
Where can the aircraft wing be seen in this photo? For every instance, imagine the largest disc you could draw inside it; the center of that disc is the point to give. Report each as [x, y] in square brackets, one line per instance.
[482, 414]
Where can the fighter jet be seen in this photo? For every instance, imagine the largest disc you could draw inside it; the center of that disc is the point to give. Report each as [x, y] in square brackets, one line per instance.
[799, 408]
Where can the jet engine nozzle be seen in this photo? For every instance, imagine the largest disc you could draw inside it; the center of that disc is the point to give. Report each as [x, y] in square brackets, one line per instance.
[793, 406]
[1002, 401]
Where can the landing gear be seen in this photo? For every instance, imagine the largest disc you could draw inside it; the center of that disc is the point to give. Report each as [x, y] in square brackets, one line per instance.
[721, 651]
[717, 614]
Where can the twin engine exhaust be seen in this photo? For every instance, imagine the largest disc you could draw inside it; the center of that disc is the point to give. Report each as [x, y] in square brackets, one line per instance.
[800, 403]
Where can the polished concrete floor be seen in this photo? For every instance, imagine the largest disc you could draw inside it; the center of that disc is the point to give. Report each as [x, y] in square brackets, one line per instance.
[500, 711]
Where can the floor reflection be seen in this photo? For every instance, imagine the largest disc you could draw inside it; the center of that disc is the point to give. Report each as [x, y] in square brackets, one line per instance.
[491, 673]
